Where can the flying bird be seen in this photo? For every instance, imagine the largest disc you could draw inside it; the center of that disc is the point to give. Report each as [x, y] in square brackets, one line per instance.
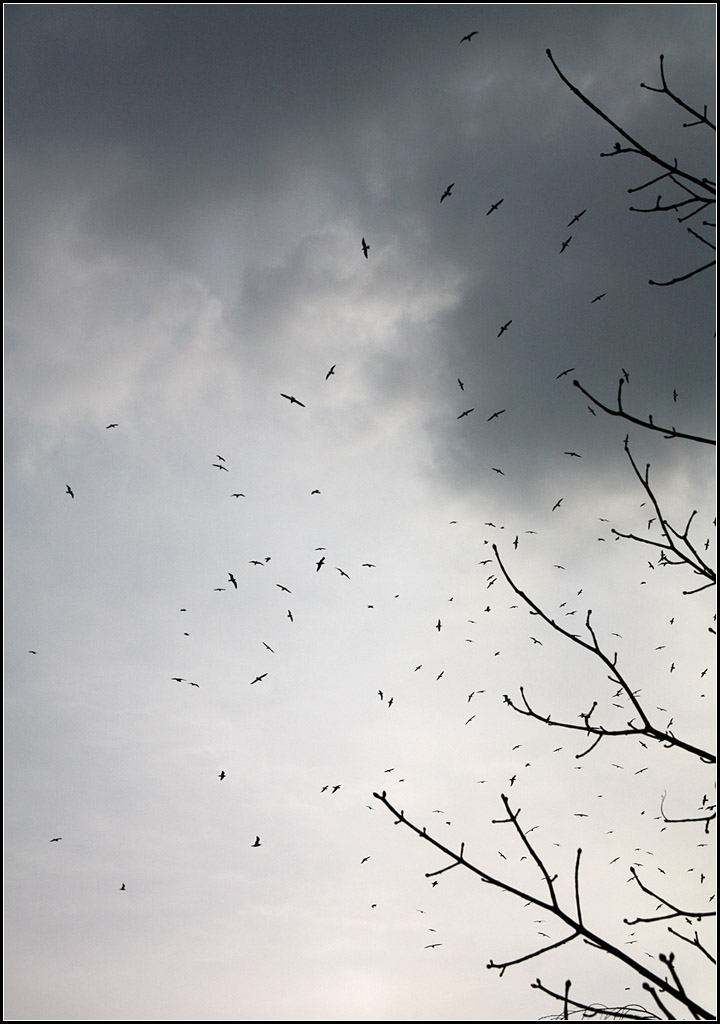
[231, 579]
[365, 248]
[504, 328]
[290, 615]
[576, 218]
[496, 414]
[56, 839]
[497, 471]
[330, 372]
[573, 454]
[447, 192]
[122, 887]
[281, 587]
[564, 372]
[438, 627]
[466, 413]
[461, 385]
[316, 491]
[258, 679]
[221, 776]
[69, 490]
[257, 842]
[598, 297]
[342, 572]
[468, 37]
[557, 504]
[566, 243]
[292, 399]
[320, 564]
[219, 465]
[494, 206]
[238, 494]
[269, 648]
[111, 425]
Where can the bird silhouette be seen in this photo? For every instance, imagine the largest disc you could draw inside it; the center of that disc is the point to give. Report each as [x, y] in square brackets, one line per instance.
[290, 615]
[257, 842]
[342, 572]
[330, 372]
[461, 385]
[576, 218]
[466, 413]
[447, 192]
[281, 587]
[598, 297]
[292, 399]
[238, 494]
[111, 425]
[122, 887]
[258, 679]
[365, 248]
[231, 579]
[504, 328]
[494, 207]
[557, 504]
[221, 776]
[496, 414]
[566, 243]
[319, 564]
[69, 490]
[219, 465]
[468, 37]
[495, 470]
[56, 839]
[438, 627]
[573, 455]
[565, 372]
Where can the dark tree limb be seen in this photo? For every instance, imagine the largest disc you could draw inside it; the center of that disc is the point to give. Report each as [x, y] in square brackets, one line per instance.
[674, 911]
[669, 432]
[577, 927]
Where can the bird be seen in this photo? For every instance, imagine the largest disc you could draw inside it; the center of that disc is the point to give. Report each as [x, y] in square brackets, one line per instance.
[495, 470]
[335, 788]
[111, 425]
[365, 248]
[221, 776]
[447, 192]
[255, 561]
[320, 563]
[342, 572]
[496, 414]
[269, 648]
[494, 206]
[219, 465]
[576, 218]
[290, 615]
[557, 504]
[573, 454]
[56, 839]
[315, 491]
[369, 565]
[231, 579]
[460, 384]
[504, 328]
[364, 859]
[598, 297]
[438, 627]
[258, 679]
[466, 413]
[257, 842]
[292, 399]
[566, 243]
[330, 372]
[433, 945]
[122, 887]
[179, 679]
[69, 490]
[238, 494]
[468, 37]
[564, 372]
[281, 587]
[675, 395]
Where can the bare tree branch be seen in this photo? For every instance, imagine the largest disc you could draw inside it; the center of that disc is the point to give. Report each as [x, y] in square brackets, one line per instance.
[669, 432]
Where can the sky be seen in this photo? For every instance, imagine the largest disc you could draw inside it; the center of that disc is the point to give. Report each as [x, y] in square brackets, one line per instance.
[187, 191]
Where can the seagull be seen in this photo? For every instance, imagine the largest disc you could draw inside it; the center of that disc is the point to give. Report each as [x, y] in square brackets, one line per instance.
[292, 399]
[369, 565]
[258, 679]
[466, 413]
[231, 579]
[564, 372]
[219, 465]
[281, 587]
[320, 563]
[496, 414]
[438, 627]
[238, 494]
[364, 859]
[576, 218]
[447, 192]
[460, 383]
[69, 490]
[221, 776]
[494, 206]
[365, 248]
[335, 788]
[598, 297]
[269, 648]
[504, 328]
[56, 839]
[573, 454]
[498, 471]
[330, 372]
[342, 572]
[111, 425]
[566, 243]
[122, 887]
[290, 615]
[557, 504]
[257, 842]
[468, 37]
[316, 491]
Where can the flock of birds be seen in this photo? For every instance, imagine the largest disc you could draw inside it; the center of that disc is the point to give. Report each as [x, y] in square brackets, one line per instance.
[320, 558]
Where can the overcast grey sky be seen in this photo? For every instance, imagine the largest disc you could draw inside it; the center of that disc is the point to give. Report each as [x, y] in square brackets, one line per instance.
[187, 190]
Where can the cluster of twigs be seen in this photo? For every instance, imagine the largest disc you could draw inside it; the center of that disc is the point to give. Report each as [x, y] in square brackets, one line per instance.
[696, 194]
